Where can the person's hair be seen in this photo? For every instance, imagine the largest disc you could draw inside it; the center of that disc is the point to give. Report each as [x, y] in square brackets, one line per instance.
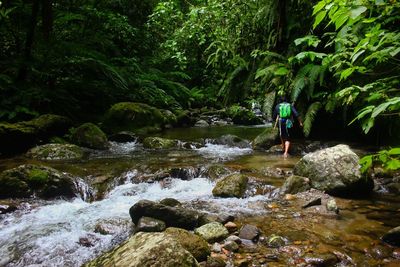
[282, 98]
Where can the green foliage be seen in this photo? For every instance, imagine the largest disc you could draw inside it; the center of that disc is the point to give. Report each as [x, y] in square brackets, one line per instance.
[389, 159]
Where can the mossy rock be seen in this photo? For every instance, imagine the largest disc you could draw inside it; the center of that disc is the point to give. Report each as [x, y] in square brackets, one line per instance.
[295, 184]
[159, 143]
[196, 245]
[266, 139]
[233, 185]
[130, 116]
[89, 135]
[56, 152]
[212, 232]
[215, 172]
[28, 180]
[147, 250]
[18, 137]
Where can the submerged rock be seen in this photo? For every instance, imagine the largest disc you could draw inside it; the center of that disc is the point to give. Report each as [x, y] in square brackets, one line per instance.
[159, 143]
[215, 172]
[335, 170]
[275, 241]
[249, 232]
[212, 232]
[196, 245]
[233, 185]
[392, 237]
[89, 135]
[266, 139]
[172, 216]
[56, 152]
[147, 250]
[28, 180]
[18, 137]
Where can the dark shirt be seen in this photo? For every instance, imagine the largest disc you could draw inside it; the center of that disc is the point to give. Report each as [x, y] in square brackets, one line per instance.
[276, 111]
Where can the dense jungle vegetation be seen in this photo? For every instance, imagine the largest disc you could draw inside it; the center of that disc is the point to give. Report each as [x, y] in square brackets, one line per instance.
[338, 60]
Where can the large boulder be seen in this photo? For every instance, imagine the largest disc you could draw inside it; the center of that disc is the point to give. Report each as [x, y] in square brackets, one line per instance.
[56, 152]
[44, 182]
[18, 137]
[266, 139]
[147, 250]
[335, 170]
[129, 116]
[159, 143]
[212, 232]
[233, 185]
[89, 135]
[196, 245]
[172, 216]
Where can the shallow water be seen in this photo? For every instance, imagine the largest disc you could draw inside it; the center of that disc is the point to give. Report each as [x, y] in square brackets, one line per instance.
[48, 233]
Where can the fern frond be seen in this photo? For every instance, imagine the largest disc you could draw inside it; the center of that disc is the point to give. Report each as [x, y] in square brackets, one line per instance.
[310, 116]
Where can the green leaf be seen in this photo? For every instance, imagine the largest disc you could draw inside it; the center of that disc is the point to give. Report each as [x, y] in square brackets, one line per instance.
[341, 20]
[356, 12]
[281, 71]
[367, 125]
[318, 7]
[346, 73]
[393, 164]
[394, 151]
[318, 18]
[366, 163]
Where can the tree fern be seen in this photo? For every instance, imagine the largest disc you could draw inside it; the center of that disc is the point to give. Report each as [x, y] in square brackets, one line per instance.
[310, 116]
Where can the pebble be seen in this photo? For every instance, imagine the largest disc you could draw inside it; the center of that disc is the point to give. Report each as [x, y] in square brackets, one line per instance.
[231, 226]
[234, 238]
[231, 246]
[216, 248]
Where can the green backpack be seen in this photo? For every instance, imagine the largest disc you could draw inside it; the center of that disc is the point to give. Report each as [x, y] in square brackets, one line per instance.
[284, 110]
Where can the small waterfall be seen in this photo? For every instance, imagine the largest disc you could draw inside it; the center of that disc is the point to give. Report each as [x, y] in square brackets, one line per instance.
[222, 152]
[84, 190]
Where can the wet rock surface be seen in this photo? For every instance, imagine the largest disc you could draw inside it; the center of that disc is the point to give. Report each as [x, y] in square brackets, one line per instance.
[90, 136]
[212, 232]
[56, 152]
[231, 186]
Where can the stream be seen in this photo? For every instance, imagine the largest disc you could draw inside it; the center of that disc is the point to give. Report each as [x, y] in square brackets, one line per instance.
[62, 232]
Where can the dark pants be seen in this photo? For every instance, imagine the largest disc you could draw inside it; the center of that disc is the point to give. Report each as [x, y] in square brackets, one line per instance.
[283, 130]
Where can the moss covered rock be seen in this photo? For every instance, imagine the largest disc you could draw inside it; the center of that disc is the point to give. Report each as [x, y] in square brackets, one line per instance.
[89, 135]
[28, 180]
[129, 116]
[295, 184]
[266, 139]
[18, 137]
[159, 143]
[147, 250]
[56, 152]
[233, 185]
[196, 245]
[212, 232]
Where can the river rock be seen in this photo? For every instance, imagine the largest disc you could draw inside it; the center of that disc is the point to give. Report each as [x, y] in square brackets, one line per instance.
[18, 137]
[113, 226]
[295, 184]
[233, 185]
[332, 206]
[215, 172]
[243, 116]
[184, 173]
[123, 137]
[201, 123]
[249, 232]
[134, 117]
[56, 152]
[169, 201]
[216, 261]
[159, 143]
[147, 250]
[335, 170]
[266, 139]
[275, 241]
[231, 246]
[148, 224]
[196, 245]
[232, 141]
[231, 226]
[89, 135]
[212, 232]
[172, 216]
[392, 237]
[28, 180]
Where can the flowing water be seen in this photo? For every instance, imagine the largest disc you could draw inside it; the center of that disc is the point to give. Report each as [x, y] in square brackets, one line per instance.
[62, 232]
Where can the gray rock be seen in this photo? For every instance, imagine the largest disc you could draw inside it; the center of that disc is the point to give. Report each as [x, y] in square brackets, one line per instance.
[172, 202]
[234, 238]
[232, 141]
[295, 184]
[231, 246]
[249, 232]
[332, 206]
[266, 139]
[201, 123]
[196, 245]
[212, 232]
[56, 152]
[172, 216]
[233, 185]
[148, 224]
[313, 202]
[113, 226]
[335, 170]
[392, 237]
[147, 250]
[216, 247]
